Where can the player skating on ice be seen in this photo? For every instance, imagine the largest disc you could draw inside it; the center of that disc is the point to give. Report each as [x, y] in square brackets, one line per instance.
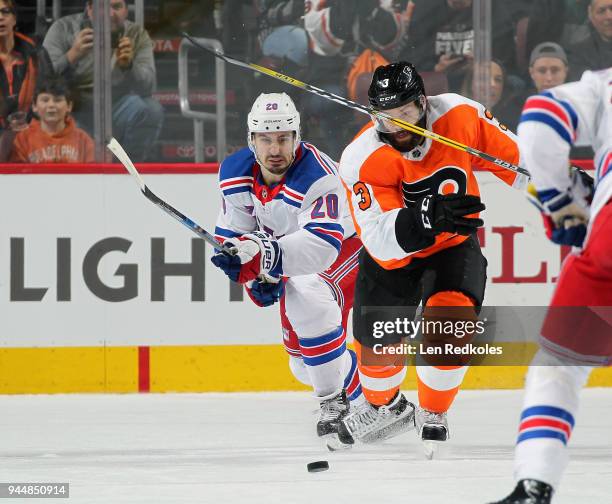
[577, 331]
[415, 204]
[284, 211]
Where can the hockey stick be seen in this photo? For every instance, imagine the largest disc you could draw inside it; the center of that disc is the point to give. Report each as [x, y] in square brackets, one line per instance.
[361, 108]
[117, 150]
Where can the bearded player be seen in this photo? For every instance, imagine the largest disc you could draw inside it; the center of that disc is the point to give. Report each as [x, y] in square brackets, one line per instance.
[415, 205]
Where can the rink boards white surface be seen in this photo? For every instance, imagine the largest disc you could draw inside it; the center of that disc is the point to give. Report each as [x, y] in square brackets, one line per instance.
[253, 448]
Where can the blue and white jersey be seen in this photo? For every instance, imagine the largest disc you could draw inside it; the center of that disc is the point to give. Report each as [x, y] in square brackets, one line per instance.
[306, 211]
[577, 113]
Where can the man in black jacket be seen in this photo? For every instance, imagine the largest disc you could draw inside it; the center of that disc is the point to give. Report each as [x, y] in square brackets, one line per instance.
[595, 52]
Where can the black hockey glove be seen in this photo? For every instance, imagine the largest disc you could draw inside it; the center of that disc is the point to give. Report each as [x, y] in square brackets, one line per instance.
[416, 226]
[445, 213]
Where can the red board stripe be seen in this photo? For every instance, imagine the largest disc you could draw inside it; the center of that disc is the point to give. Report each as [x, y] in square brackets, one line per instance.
[144, 372]
[105, 168]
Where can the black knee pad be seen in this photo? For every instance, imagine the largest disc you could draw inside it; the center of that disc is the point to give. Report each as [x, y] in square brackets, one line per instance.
[382, 296]
[462, 268]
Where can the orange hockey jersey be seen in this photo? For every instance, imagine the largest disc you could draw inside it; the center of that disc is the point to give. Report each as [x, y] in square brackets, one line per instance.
[380, 180]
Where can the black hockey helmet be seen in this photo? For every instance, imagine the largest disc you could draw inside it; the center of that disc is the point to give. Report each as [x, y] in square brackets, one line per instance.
[394, 85]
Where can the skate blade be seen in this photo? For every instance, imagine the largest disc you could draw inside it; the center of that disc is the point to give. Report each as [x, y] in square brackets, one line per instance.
[334, 444]
[430, 448]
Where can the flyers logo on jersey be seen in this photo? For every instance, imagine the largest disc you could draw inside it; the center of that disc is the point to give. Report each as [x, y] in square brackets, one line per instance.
[447, 180]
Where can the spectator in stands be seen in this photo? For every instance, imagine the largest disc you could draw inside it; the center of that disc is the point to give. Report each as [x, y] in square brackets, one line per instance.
[503, 103]
[441, 38]
[137, 117]
[23, 65]
[338, 30]
[561, 21]
[282, 42]
[547, 66]
[595, 52]
[54, 136]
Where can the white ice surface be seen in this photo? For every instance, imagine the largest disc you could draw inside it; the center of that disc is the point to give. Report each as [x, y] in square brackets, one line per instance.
[253, 448]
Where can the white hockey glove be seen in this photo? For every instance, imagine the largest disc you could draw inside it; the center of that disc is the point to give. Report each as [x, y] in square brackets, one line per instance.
[255, 255]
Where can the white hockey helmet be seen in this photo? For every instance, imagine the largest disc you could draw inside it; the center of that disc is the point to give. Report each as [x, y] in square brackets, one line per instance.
[272, 112]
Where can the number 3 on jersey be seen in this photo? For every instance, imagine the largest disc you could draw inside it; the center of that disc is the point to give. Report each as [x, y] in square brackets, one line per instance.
[360, 189]
[331, 207]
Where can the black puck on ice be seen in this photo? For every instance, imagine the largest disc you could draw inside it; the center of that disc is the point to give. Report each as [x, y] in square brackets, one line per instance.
[320, 465]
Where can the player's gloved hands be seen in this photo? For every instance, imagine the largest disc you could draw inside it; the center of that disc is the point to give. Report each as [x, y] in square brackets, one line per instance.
[446, 213]
[265, 293]
[250, 256]
[583, 186]
[564, 214]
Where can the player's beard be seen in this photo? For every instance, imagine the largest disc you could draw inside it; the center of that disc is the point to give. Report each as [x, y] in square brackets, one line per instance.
[405, 141]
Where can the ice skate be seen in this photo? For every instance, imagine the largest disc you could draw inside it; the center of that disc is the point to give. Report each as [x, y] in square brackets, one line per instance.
[528, 491]
[333, 410]
[432, 429]
[369, 424]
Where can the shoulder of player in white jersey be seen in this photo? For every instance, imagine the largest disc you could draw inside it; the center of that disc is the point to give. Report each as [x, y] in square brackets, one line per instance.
[311, 166]
[237, 164]
[236, 173]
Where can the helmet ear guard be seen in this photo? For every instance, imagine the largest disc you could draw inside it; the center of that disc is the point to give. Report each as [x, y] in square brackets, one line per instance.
[271, 113]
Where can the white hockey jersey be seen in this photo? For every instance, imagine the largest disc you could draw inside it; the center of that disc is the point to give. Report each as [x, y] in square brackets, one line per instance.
[306, 211]
[577, 113]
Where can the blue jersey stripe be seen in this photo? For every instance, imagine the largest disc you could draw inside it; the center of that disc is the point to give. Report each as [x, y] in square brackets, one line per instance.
[355, 394]
[568, 108]
[291, 202]
[236, 190]
[332, 226]
[551, 411]
[225, 232]
[324, 359]
[547, 194]
[351, 373]
[548, 120]
[542, 433]
[334, 242]
[321, 159]
[321, 340]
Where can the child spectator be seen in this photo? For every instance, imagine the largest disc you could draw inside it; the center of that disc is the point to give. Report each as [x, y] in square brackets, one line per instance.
[54, 136]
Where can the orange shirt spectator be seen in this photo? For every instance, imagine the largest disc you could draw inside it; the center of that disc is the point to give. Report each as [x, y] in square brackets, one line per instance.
[54, 137]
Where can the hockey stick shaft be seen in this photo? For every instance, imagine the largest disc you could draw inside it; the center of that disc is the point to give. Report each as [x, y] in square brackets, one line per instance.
[413, 128]
[115, 147]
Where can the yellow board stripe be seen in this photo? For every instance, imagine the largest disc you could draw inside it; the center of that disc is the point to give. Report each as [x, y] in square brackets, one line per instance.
[239, 368]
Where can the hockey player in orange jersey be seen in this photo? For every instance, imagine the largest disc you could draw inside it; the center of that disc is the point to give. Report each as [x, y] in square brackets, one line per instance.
[416, 204]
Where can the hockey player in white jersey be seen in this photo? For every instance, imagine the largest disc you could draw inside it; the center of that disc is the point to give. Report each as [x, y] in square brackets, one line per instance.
[577, 331]
[284, 213]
